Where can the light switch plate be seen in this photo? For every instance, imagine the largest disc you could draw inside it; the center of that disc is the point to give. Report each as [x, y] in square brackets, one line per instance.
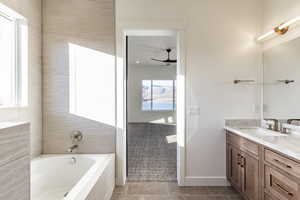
[194, 110]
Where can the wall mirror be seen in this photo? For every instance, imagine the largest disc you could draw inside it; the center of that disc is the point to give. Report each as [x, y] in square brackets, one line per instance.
[282, 82]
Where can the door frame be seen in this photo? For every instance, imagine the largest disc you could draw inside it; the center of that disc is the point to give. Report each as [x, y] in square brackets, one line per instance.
[121, 90]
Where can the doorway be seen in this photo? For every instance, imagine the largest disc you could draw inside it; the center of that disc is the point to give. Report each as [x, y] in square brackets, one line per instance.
[151, 108]
[121, 98]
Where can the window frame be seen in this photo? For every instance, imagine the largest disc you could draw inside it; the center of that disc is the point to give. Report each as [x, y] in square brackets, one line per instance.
[151, 98]
[19, 98]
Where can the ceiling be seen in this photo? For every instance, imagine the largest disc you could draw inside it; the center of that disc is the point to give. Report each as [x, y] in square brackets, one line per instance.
[142, 48]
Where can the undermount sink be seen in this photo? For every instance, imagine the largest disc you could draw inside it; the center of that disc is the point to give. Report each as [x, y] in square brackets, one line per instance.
[262, 132]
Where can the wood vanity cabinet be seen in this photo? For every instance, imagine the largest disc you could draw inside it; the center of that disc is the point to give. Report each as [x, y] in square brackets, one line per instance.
[259, 173]
[242, 168]
[234, 167]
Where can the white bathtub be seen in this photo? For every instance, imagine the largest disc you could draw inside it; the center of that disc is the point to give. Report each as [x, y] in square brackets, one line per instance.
[73, 177]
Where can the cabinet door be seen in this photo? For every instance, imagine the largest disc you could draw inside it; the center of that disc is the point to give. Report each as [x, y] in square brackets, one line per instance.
[280, 185]
[233, 166]
[249, 176]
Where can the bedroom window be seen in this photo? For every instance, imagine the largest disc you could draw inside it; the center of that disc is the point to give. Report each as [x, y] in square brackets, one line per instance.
[13, 70]
[158, 95]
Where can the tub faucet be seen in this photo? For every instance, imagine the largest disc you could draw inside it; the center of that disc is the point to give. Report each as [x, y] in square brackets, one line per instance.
[72, 148]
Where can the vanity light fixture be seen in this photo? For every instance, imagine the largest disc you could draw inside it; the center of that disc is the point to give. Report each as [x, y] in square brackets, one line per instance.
[280, 29]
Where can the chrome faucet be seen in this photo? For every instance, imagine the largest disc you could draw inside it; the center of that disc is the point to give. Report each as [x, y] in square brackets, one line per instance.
[272, 126]
[290, 121]
[72, 148]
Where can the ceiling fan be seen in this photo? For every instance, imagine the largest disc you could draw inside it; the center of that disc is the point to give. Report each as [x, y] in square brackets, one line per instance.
[167, 61]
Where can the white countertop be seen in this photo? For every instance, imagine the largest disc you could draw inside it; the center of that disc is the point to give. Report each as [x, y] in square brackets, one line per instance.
[287, 144]
[5, 125]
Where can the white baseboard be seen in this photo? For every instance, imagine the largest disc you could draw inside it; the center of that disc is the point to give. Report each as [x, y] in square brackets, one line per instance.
[205, 181]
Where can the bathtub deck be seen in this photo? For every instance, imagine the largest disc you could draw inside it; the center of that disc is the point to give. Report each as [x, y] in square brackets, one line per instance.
[54, 194]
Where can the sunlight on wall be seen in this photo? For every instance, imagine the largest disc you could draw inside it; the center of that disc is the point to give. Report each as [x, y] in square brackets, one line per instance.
[92, 84]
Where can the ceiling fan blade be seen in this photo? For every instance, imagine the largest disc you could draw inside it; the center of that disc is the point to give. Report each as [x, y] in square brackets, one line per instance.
[171, 61]
[157, 60]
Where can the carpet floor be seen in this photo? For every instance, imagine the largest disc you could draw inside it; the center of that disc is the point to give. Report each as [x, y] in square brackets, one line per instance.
[152, 152]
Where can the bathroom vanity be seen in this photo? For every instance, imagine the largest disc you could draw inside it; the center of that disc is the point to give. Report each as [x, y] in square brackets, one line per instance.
[263, 164]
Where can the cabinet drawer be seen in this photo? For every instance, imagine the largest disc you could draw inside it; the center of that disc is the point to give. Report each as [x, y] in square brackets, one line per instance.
[283, 163]
[242, 143]
[233, 139]
[249, 146]
[280, 186]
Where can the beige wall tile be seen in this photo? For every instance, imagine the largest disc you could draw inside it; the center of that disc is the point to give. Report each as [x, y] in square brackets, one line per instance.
[89, 24]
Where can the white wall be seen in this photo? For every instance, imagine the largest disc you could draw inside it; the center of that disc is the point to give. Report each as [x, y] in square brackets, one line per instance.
[220, 47]
[31, 10]
[138, 73]
[278, 11]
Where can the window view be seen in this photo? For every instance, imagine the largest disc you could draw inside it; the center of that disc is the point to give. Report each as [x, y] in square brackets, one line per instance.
[13, 61]
[158, 95]
[7, 69]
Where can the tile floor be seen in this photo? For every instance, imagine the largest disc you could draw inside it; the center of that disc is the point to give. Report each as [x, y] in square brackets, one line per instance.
[170, 191]
[151, 156]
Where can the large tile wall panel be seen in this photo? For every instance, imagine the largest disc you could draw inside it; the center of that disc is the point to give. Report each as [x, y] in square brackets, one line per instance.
[15, 180]
[14, 161]
[14, 143]
[89, 24]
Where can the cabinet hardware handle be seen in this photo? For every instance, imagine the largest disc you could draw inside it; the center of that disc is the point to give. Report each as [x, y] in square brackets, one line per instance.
[243, 162]
[238, 159]
[284, 190]
[281, 163]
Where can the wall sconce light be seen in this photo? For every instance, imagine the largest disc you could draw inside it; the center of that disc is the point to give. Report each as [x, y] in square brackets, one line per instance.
[280, 30]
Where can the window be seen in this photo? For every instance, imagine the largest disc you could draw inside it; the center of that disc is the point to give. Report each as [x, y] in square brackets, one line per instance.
[12, 67]
[158, 95]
